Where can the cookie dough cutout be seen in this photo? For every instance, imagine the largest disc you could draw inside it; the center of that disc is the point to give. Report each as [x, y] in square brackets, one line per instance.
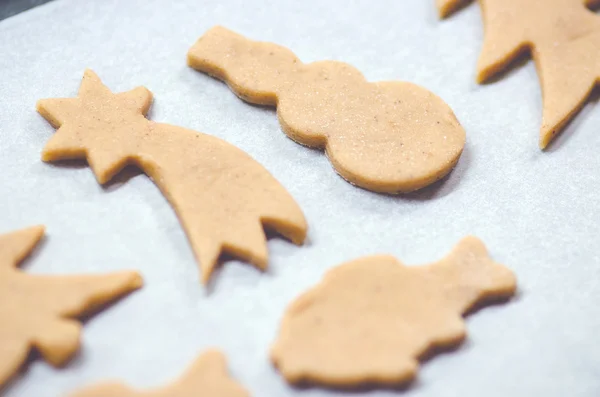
[38, 311]
[447, 7]
[370, 320]
[221, 195]
[563, 37]
[207, 377]
[388, 137]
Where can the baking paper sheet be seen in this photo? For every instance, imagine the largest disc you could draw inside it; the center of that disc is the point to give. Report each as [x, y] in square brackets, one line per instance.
[538, 212]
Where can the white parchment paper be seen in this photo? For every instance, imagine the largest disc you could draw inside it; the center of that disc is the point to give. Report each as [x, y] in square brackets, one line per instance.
[538, 212]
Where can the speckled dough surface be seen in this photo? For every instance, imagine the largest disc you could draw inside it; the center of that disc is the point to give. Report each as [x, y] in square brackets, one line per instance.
[207, 377]
[36, 311]
[371, 319]
[389, 136]
[221, 195]
[564, 39]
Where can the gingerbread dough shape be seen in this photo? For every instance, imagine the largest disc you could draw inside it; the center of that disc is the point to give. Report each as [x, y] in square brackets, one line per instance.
[447, 7]
[221, 195]
[370, 320]
[38, 311]
[563, 37]
[207, 377]
[387, 137]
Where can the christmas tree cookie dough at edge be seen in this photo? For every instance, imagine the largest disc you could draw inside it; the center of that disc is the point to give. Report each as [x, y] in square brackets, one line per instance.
[370, 320]
[447, 7]
[387, 137]
[207, 377]
[221, 195]
[39, 311]
[563, 37]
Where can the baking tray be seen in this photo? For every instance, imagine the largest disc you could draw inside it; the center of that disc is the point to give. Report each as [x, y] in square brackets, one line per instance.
[538, 212]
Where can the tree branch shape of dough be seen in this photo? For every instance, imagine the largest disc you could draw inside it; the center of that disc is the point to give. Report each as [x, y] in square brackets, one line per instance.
[387, 137]
[370, 320]
[221, 195]
[37, 311]
[563, 37]
[207, 377]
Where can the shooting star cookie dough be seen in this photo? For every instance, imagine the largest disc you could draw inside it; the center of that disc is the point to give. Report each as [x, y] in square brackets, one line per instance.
[37, 312]
[207, 377]
[388, 137]
[563, 37]
[221, 195]
[370, 320]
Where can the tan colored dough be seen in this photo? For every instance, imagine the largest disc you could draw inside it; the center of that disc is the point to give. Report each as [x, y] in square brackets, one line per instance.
[370, 320]
[37, 311]
[207, 377]
[563, 37]
[388, 137]
[447, 7]
[222, 196]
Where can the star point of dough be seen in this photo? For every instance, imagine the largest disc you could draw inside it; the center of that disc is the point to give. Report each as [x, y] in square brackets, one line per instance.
[563, 37]
[77, 118]
[369, 321]
[207, 377]
[222, 196]
[447, 7]
[39, 311]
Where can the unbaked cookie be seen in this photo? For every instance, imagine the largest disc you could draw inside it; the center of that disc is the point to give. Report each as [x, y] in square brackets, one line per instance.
[370, 320]
[388, 137]
[221, 195]
[563, 37]
[38, 312]
[207, 377]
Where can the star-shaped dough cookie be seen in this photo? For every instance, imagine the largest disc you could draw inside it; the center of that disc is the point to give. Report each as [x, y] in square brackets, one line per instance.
[563, 37]
[221, 195]
[38, 311]
[207, 377]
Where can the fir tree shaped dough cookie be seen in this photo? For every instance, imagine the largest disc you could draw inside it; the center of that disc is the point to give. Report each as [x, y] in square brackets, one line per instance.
[221, 195]
[37, 312]
[387, 137]
[563, 37]
[370, 320]
[207, 377]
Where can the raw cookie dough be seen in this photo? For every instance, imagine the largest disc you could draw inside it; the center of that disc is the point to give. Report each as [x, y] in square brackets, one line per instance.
[221, 195]
[38, 311]
[563, 37]
[447, 7]
[207, 377]
[387, 137]
[370, 320]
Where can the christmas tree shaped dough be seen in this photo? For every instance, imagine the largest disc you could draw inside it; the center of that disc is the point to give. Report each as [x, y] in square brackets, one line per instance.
[563, 37]
[389, 136]
[207, 377]
[370, 320]
[221, 195]
[37, 311]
